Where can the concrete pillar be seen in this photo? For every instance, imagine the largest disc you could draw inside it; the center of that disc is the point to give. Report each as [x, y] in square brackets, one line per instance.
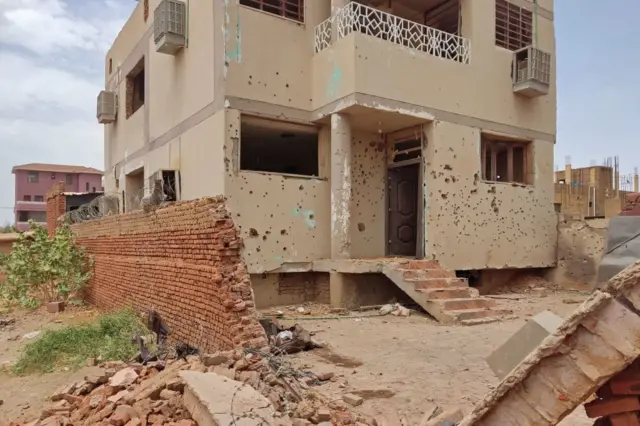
[636, 185]
[340, 186]
[340, 205]
[567, 174]
[337, 4]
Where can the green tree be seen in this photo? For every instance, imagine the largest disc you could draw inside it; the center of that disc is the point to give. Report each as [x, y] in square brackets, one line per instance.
[40, 268]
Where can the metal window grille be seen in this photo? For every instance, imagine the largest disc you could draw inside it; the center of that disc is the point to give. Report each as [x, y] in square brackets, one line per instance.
[514, 26]
[291, 9]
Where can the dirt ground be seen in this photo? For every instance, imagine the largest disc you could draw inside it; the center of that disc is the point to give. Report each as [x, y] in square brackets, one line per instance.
[398, 362]
[25, 396]
[404, 363]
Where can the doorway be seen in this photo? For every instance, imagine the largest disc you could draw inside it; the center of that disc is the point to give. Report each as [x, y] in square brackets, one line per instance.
[403, 220]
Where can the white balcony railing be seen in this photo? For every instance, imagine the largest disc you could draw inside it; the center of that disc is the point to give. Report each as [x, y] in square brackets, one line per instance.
[356, 17]
[322, 36]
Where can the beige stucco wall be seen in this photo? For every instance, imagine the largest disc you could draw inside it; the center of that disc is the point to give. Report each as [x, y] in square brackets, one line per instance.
[472, 224]
[481, 89]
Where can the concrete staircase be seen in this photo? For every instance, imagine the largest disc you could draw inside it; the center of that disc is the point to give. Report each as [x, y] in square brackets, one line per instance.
[447, 298]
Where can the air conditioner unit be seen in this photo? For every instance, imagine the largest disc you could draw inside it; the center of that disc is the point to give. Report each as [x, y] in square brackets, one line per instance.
[169, 26]
[164, 186]
[531, 72]
[107, 107]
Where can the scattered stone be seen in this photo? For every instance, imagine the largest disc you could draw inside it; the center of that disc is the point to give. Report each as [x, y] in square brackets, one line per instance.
[226, 372]
[323, 414]
[122, 415]
[91, 362]
[352, 399]
[176, 385]
[65, 390]
[168, 394]
[300, 310]
[119, 396]
[571, 301]
[123, 378]
[216, 359]
[55, 307]
[301, 422]
[323, 377]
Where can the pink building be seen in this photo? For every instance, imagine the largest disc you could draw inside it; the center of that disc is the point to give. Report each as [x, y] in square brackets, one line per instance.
[35, 179]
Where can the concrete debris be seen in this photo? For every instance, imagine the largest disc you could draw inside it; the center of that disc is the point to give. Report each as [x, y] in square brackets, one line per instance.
[5, 322]
[31, 335]
[394, 309]
[447, 418]
[248, 386]
[352, 399]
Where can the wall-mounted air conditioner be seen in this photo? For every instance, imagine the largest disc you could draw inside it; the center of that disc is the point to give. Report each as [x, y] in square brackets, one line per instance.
[169, 26]
[531, 72]
[107, 107]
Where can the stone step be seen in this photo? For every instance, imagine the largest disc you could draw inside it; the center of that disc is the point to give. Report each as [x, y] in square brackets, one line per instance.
[480, 321]
[426, 273]
[432, 283]
[450, 293]
[466, 303]
[474, 314]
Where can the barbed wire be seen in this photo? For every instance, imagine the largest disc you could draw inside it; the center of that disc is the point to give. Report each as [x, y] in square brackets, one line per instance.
[146, 197]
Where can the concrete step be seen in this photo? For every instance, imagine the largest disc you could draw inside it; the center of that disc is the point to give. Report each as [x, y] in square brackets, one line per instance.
[426, 273]
[432, 283]
[480, 321]
[450, 293]
[420, 264]
[466, 303]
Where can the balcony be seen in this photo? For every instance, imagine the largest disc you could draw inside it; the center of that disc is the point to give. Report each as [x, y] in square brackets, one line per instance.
[359, 18]
[531, 72]
[31, 205]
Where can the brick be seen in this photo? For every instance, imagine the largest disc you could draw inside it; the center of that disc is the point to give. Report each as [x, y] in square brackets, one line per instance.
[603, 408]
[625, 387]
[352, 399]
[626, 419]
[183, 261]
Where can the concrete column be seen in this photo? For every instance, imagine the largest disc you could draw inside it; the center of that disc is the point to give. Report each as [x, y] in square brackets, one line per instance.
[340, 205]
[636, 183]
[335, 6]
[567, 174]
[340, 186]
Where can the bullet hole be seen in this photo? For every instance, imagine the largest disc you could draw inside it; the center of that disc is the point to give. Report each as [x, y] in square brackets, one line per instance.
[258, 249]
[447, 180]
[287, 85]
[284, 248]
[283, 232]
[447, 167]
[474, 191]
[253, 232]
[492, 190]
[311, 217]
[475, 178]
[361, 227]
[250, 192]
[453, 179]
[263, 276]
[268, 232]
[226, 245]
[277, 72]
[495, 209]
[444, 196]
[264, 238]
[301, 187]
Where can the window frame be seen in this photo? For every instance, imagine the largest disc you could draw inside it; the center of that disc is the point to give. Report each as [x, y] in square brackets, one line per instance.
[508, 16]
[136, 79]
[259, 5]
[38, 198]
[33, 177]
[26, 198]
[69, 179]
[486, 142]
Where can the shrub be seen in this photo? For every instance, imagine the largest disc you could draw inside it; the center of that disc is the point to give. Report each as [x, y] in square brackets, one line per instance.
[40, 268]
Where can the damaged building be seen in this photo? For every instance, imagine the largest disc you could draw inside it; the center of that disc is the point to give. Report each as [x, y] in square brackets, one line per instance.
[346, 135]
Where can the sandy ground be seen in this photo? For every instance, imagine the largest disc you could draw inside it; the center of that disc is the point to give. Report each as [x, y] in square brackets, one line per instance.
[406, 363]
[25, 396]
[399, 362]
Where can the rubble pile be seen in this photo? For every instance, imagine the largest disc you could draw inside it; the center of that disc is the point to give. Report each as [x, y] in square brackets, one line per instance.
[152, 394]
[617, 402]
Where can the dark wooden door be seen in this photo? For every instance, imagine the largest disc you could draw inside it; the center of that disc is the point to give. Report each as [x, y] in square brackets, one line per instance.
[403, 210]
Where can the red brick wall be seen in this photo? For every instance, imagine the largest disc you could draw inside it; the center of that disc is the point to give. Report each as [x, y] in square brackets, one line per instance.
[182, 261]
[56, 206]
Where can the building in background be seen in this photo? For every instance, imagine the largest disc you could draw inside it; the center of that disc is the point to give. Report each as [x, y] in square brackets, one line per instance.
[342, 130]
[33, 181]
[597, 191]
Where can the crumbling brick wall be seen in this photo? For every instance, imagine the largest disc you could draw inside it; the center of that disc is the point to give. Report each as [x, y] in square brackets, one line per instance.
[56, 206]
[182, 261]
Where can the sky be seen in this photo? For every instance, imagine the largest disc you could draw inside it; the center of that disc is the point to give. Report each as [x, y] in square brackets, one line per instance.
[52, 65]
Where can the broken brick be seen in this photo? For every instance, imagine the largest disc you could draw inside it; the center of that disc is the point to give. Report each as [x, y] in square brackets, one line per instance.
[604, 408]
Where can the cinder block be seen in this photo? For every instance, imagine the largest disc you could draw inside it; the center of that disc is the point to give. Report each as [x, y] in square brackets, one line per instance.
[522, 343]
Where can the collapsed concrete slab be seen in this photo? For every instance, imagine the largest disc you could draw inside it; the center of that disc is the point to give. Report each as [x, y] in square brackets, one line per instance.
[600, 339]
[215, 400]
[504, 359]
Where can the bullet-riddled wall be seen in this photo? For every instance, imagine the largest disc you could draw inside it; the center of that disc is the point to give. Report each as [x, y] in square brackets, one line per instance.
[473, 224]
